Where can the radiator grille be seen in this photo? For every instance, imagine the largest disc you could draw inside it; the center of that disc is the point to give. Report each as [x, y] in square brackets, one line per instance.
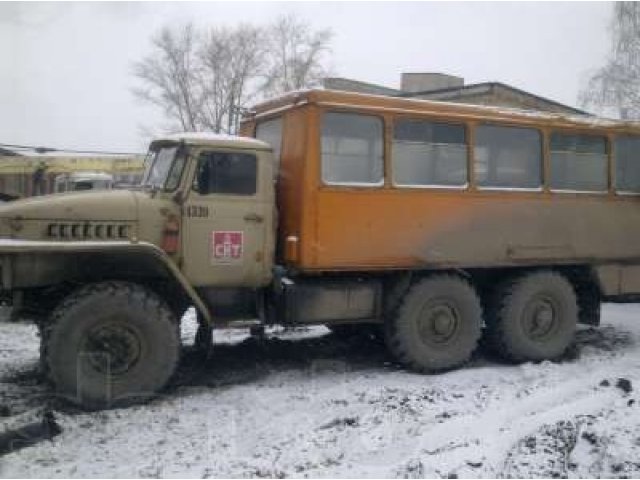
[88, 231]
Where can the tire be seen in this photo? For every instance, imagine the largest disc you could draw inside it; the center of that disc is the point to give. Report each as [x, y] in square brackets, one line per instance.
[437, 325]
[110, 344]
[532, 317]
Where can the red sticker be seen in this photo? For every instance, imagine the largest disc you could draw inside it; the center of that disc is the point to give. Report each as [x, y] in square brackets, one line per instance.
[226, 247]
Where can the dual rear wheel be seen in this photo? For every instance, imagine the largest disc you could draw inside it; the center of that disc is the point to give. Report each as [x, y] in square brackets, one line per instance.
[439, 323]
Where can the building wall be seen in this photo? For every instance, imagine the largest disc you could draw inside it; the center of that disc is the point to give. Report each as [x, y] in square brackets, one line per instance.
[448, 88]
[421, 82]
[501, 97]
[346, 85]
[16, 172]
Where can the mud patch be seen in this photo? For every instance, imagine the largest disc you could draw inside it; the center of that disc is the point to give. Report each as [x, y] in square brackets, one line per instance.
[27, 435]
[252, 359]
[585, 446]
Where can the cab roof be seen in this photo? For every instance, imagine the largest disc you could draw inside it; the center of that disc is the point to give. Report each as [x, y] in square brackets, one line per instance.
[214, 140]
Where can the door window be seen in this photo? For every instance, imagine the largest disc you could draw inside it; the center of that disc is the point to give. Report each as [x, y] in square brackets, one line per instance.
[228, 173]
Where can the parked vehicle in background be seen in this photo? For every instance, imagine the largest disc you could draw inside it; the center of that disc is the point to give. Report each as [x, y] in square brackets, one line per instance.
[434, 224]
[26, 176]
[76, 181]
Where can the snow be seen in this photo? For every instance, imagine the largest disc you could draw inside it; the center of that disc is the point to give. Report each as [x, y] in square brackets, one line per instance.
[306, 403]
[211, 137]
[586, 120]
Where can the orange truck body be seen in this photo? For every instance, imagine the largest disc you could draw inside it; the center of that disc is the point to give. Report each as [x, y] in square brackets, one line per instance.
[350, 228]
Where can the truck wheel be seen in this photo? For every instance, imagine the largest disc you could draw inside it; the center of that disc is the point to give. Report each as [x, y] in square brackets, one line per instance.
[532, 317]
[110, 344]
[437, 325]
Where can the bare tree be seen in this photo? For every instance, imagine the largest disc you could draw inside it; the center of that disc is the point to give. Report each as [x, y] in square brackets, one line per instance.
[169, 76]
[231, 61]
[295, 55]
[204, 80]
[617, 84]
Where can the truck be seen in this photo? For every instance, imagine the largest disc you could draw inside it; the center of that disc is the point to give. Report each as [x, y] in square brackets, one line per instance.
[435, 225]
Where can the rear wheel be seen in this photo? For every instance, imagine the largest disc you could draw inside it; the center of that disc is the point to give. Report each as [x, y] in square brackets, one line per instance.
[532, 317]
[437, 325]
[110, 344]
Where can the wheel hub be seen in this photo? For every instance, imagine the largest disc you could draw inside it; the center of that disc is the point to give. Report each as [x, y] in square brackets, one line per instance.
[438, 324]
[540, 318]
[113, 349]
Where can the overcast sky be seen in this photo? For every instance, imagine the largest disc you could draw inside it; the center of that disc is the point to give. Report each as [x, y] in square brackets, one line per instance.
[66, 79]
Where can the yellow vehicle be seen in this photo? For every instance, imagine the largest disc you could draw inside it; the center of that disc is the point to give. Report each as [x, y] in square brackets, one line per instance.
[76, 181]
[431, 223]
[24, 176]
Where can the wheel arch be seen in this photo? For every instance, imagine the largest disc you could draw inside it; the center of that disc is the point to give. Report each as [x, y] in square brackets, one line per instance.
[36, 264]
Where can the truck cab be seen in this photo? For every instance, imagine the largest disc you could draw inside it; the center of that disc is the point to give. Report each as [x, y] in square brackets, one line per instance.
[109, 273]
[224, 188]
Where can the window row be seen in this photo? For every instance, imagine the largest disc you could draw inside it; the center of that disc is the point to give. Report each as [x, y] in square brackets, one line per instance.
[434, 154]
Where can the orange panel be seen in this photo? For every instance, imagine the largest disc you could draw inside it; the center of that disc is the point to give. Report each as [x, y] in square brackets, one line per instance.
[342, 228]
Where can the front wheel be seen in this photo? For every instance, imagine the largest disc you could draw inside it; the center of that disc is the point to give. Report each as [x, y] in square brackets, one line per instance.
[110, 344]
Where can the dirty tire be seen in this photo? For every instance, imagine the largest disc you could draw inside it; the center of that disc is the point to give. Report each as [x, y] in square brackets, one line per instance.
[110, 344]
[532, 317]
[437, 325]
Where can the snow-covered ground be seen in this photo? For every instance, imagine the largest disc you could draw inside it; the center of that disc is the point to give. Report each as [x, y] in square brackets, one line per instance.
[310, 404]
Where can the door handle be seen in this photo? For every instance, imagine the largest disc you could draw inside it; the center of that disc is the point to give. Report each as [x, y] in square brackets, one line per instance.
[253, 217]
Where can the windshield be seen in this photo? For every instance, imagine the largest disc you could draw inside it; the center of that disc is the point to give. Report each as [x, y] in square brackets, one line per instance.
[161, 171]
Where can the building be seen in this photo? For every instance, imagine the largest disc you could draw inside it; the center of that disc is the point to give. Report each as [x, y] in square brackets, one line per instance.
[450, 88]
[5, 152]
[16, 172]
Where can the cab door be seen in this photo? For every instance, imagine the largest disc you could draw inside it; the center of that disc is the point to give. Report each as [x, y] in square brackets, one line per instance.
[228, 218]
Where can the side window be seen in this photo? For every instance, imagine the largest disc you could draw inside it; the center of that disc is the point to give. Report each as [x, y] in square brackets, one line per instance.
[270, 131]
[429, 154]
[578, 162]
[508, 157]
[628, 164]
[226, 173]
[351, 149]
[175, 173]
